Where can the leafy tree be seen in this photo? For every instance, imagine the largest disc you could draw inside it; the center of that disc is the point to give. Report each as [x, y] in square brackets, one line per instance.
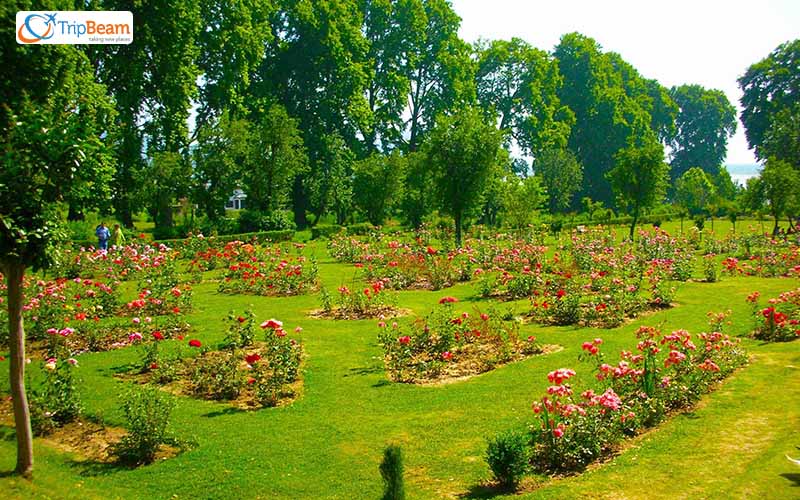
[522, 199]
[378, 185]
[695, 191]
[153, 81]
[394, 30]
[561, 175]
[417, 201]
[276, 156]
[53, 119]
[705, 122]
[231, 47]
[461, 151]
[442, 76]
[782, 140]
[332, 184]
[724, 185]
[613, 105]
[518, 83]
[166, 178]
[776, 189]
[221, 148]
[769, 87]
[639, 178]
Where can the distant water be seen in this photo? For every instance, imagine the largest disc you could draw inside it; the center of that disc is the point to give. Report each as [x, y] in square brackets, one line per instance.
[740, 172]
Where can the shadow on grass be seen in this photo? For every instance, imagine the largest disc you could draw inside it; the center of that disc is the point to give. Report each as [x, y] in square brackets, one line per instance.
[230, 410]
[381, 383]
[364, 370]
[795, 478]
[91, 468]
[487, 490]
[8, 433]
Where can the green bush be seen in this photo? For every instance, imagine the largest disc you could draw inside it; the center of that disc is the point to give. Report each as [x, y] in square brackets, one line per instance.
[361, 228]
[147, 413]
[254, 220]
[507, 455]
[57, 402]
[392, 473]
[325, 231]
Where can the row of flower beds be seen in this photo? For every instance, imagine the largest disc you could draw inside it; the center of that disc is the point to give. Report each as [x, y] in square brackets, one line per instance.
[780, 320]
[575, 426]
[448, 345]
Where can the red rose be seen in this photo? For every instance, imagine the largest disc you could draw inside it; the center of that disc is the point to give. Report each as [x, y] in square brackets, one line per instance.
[195, 343]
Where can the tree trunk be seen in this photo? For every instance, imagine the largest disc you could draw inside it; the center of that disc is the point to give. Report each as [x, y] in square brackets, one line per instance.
[299, 203]
[633, 222]
[75, 214]
[22, 417]
[457, 218]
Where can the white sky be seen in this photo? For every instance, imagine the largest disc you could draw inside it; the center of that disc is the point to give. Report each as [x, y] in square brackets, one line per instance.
[707, 42]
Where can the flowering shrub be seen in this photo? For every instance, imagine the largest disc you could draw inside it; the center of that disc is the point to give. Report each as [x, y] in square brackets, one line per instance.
[266, 271]
[56, 402]
[780, 320]
[147, 412]
[762, 256]
[446, 344]
[669, 372]
[371, 302]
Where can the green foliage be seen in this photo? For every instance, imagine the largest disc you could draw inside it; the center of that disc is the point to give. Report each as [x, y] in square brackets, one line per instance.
[522, 199]
[461, 152]
[776, 188]
[418, 196]
[378, 185]
[57, 401]
[507, 455]
[561, 175]
[518, 84]
[640, 177]
[705, 122]
[391, 469]
[217, 375]
[770, 90]
[147, 413]
[694, 190]
[253, 220]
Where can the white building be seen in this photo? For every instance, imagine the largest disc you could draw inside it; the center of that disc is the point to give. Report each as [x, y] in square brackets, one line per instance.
[236, 201]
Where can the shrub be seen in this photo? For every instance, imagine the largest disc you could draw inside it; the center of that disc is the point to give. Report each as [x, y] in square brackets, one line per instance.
[147, 413]
[507, 455]
[217, 376]
[277, 220]
[58, 401]
[392, 473]
[241, 331]
[325, 231]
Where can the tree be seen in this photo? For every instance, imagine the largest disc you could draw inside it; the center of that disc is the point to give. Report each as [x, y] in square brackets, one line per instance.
[518, 84]
[221, 148]
[417, 201]
[394, 30]
[782, 140]
[705, 122]
[332, 184]
[612, 103]
[769, 87]
[153, 81]
[461, 152]
[522, 199]
[378, 185]
[695, 191]
[52, 122]
[561, 175]
[777, 189]
[639, 178]
[442, 76]
[167, 177]
[276, 155]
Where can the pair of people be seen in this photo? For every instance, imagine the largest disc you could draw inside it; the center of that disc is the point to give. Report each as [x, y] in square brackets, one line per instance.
[104, 235]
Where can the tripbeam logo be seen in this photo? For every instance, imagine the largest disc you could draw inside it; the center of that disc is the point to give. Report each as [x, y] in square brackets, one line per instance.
[74, 27]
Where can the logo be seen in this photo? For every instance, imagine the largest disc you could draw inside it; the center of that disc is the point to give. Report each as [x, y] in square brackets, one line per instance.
[74, 27]
[29, 31]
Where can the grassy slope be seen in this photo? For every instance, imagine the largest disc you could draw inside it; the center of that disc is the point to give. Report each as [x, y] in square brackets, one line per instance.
[328, 444]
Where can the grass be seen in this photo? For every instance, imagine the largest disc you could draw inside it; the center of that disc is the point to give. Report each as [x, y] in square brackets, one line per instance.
[328, 444]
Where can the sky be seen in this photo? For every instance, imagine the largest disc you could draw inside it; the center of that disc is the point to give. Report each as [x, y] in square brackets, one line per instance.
[705, 42]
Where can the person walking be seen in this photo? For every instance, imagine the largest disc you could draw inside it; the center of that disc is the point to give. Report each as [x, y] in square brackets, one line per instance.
[103, 234]
[117, 238]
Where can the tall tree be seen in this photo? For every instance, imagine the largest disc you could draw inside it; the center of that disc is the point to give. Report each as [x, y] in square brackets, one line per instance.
[153, 81]
[518, 83]
[378, 184]
[53, 119]
[613, 105]
[222, 147]
[316, 66]
[705, 122]
[776, 189]
[442, 75]
[461, 151]
[522, 198]
[639, 178]
[561, 175]
[332, 182]
[418, 195]
[394, 30]
[782, 140]
[276, 156]
[694, 190]
[768, 87]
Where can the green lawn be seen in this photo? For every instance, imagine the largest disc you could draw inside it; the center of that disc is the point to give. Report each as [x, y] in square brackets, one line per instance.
[329, 442]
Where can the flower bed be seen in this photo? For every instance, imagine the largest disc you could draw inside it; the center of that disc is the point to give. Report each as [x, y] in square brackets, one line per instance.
[447, 345]
[780, 320]
[666, 373]
[266, 271]
[374, 301]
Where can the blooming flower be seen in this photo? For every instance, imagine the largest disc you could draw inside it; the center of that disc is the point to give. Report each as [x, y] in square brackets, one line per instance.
[272, 323]
[50, 364]
[195, 343]
[447, 355]
[405, 339]
[448, 300]
[252, 358]
[135, 337]
[559, 376]
[158, 335]
[298, 329]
